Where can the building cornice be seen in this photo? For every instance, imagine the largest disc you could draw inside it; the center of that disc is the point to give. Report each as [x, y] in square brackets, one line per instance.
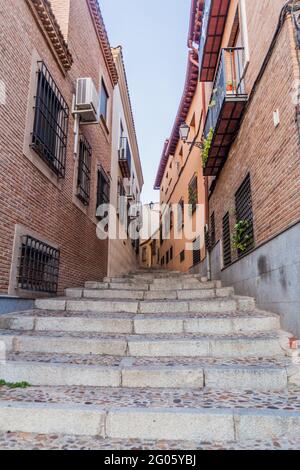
[103, 39]
[195, 22]
[45, 17]
[190, 87]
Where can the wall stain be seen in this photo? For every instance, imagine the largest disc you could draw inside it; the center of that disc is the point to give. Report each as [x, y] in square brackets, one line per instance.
[263, 267]
[282, 278]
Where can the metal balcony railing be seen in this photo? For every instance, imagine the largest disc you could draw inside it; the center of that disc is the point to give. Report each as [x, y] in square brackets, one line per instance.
[125, 157]
[229, 84]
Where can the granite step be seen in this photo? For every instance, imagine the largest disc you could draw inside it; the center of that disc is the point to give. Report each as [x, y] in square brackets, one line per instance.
[143, 294]
[114, 371]
[186, 345]
[226, 323]
[128, 413]
[218, 305]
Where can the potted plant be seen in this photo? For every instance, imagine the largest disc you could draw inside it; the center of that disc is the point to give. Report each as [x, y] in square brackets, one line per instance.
[206, 146]
[230, 86]
[240, 238]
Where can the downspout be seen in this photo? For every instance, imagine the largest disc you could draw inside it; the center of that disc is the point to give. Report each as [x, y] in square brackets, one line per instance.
[208, 258]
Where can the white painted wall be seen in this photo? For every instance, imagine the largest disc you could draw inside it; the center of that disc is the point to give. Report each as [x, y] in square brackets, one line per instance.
[121, 255]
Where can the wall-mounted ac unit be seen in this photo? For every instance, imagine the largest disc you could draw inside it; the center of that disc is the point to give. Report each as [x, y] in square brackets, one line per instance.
[86, 100]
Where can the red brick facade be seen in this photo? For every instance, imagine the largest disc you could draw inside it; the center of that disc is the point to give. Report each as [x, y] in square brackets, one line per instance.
[270, 154]
[27, 196]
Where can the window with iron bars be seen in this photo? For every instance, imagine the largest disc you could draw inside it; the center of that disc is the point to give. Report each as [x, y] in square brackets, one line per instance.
[212, 237]
[38, 266]
[196, 252]
[103, 190]
[244, 214]
[84, 170]
[193, 193]
[50, 129]
[226, 241]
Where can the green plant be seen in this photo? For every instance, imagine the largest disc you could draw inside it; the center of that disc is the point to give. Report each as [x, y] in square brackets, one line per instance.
[240, 238]
[206, 146]
[3, 383]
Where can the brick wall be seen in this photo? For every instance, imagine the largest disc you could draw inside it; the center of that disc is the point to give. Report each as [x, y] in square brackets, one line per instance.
[270, 154]
[27, 197]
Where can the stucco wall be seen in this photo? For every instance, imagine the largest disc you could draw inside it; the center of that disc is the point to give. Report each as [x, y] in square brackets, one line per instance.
[271, 274]
[121, 256]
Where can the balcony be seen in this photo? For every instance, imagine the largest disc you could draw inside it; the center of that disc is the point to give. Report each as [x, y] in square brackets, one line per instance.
[125, 158]
[226, 109]
[214, 19]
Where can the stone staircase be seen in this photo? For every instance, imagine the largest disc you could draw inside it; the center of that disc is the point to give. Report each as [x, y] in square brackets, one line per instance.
[153, 355]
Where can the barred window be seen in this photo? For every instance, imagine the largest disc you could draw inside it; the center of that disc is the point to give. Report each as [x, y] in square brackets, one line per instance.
[226, 241]
[244, 214]
[212, 230]
[182, 256]
[196, 252]
[167, 257]
[193, 193]
[50, 129]
[38, 266]
[103, 189]
[171, 253]
[84, 170]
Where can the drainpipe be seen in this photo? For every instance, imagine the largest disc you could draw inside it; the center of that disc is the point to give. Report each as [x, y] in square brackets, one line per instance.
[208, 257]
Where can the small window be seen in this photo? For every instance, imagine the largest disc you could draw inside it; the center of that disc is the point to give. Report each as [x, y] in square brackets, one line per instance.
[171, 219]
[171, 253]
[161, 237]
[144, 255]
[212, 231]
[50, 129]
[244, 214]
[167, 257]
[39, 266]
[104, 101]
[226, 241]
[193, 193]
[84, 170]
[103, 189]
[196, 252]
[180, 214]
[163, 261]
[182, 256]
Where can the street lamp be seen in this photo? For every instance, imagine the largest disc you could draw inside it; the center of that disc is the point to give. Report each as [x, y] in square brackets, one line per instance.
[184, 131]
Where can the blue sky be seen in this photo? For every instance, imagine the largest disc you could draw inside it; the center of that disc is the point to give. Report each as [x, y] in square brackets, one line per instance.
[154, 39]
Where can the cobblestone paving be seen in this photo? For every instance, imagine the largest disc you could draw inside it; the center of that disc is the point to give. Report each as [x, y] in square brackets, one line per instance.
[107, 398]
[148, 361]
[24, 441]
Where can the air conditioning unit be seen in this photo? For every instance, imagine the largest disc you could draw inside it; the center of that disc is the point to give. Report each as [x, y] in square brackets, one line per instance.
[86, 100]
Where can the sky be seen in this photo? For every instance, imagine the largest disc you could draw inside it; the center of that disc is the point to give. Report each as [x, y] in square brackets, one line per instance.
[153, 34]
